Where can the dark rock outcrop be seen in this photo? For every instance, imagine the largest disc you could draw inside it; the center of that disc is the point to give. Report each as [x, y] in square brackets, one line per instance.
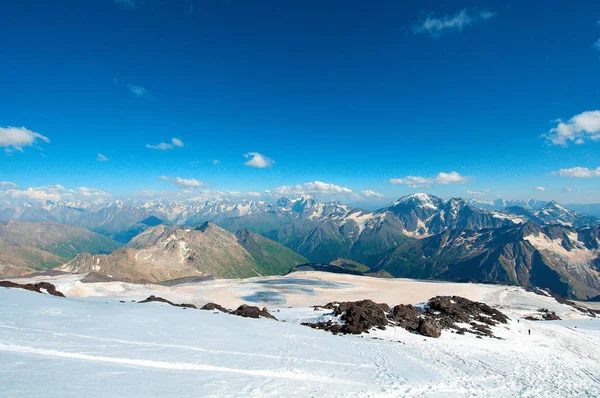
[543, 314]
[549, 315]
[442, 312]
[406, 316]
[215, 306]
[249, 311]
[163, 300]
[359, 317]
[449, 310]
[34, 287]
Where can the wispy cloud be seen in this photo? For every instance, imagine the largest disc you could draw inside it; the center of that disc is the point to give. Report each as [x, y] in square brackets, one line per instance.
[163, 146]
[578, 172]
[258, 160]
[578, 129]
[541, 189]
[15, 138]
[215, 162]
[368, 193]
[420, 182]
[254, 194]
[437, 26]
[102, 158]
[184, 183]
[314, 187]
[138, 91]
[597, 44]
[479, 193]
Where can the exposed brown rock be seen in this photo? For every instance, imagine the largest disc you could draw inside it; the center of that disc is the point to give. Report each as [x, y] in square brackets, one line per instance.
[429, 328]
[163, 300]
[37, 287]
[249, 311]
[406, 316]
[214, 306]
[442, 312]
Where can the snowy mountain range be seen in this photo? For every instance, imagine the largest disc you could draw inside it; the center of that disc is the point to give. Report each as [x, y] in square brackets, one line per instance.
[419, 235]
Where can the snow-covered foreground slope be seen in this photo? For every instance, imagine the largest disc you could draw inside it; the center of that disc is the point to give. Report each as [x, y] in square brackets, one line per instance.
[97, 346]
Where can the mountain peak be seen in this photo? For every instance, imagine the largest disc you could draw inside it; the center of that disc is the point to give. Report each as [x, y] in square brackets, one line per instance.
[206, 225]
[421, 200]
[303, 202]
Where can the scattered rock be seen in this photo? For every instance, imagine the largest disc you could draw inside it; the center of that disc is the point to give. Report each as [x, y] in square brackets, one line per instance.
[215, 306]
[163, 300]
[543, 315]
[548, 315]
[249, 311]
[37, 287]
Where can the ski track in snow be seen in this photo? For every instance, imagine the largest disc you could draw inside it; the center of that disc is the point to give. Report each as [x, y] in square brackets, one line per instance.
[174, 365]
[185, 347]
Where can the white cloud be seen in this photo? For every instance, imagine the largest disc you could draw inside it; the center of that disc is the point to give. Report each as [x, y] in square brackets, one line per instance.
[317, 187]
[578, 172]
[126, 3]
[258, 160]
[442, 178]
[102, 158]
[91, 193]
[7, 185]
[19, 137]
[184, 183]
[52, 193]
[435, 27]
[216, 161]
[254, 194]
[138, 91]
[177, 142]
[541, 189]
[580, 128]
[597, 45]
[368, 193]
[163, 146]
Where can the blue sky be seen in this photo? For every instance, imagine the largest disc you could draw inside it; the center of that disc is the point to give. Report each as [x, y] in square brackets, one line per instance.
[190, 97]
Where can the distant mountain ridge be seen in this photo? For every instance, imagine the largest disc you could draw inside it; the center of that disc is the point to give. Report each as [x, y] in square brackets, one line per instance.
[419, 214]
[395, 239]
[27, 247]
[164, 253]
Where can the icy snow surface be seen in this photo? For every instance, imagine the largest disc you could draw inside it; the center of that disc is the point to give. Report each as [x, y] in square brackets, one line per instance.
[97, 346]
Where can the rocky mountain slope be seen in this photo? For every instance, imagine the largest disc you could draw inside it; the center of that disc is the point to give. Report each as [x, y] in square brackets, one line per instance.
[27, 247]
[560, 258]
[397, 237]
[164, 253]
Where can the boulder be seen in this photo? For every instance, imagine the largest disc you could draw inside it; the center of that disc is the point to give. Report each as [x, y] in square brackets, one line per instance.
[429, 328]
[249, 311]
